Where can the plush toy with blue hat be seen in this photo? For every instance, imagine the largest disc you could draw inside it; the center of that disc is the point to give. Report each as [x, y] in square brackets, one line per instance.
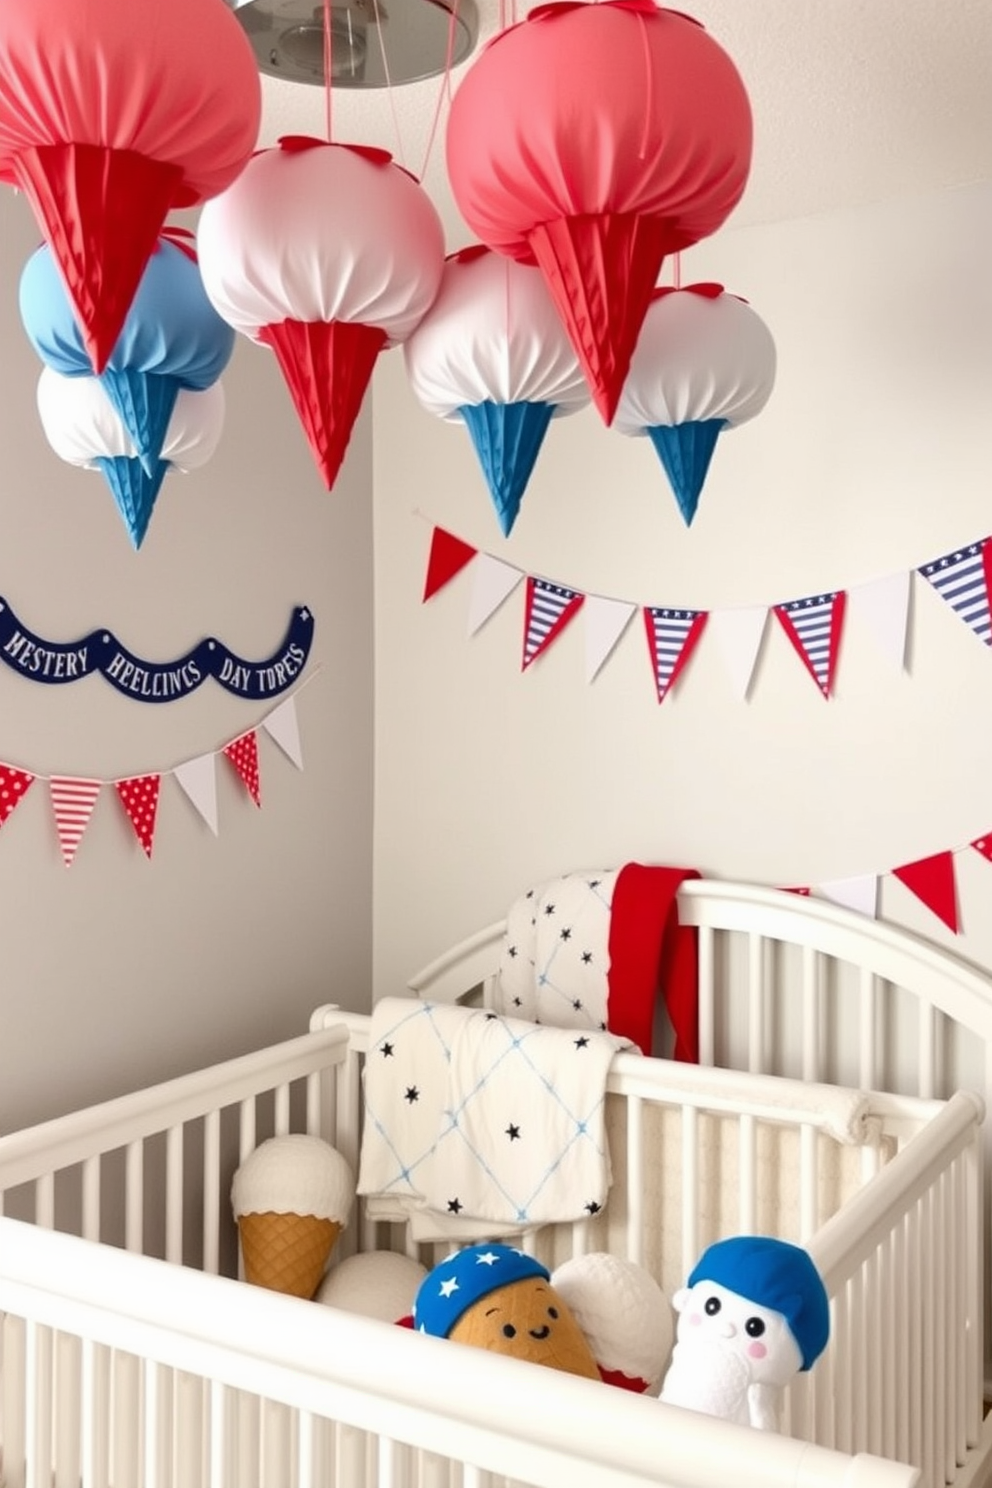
[753, 1313]
[498, 1298]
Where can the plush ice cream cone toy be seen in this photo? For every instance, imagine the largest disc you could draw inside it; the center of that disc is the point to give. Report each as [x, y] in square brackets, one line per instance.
[625, 1316]
[291, 1198]
[497, 1298]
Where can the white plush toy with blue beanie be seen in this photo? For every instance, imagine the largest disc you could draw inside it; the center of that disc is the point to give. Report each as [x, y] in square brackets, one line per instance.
[753, 1313]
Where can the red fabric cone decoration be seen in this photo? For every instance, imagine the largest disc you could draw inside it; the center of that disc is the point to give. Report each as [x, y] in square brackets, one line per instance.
[110, 115]
[327, 366]
[13, 788]
[72, 801]
[317, 234]
[594, 140]
[139, 797]
[243, 754]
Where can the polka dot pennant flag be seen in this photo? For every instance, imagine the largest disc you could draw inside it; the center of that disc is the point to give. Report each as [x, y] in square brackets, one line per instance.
[72, 801]
[13, 786]
[139, 797]
[243, 754]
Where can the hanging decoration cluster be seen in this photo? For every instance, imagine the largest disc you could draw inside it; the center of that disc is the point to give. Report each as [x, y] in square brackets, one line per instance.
[813, 623]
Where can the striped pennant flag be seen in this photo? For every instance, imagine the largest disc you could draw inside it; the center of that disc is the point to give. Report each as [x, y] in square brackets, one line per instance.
[962, 579]
[72, 801]
[672, 634]
[549, 609]
[814, 625]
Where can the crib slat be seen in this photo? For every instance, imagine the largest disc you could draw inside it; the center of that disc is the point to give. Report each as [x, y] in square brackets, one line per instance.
[635, 1179]
[174, 1195]
[811, 1059]
[868, 1070]
[91, 1198]
[134, 1184]
[44, 1200]
[281, 1119]
[691, 1243]
[706, 982]
[756, 1004]
[211, 1192]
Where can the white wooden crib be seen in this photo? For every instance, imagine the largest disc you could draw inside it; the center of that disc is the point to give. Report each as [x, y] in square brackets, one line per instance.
[134, 1357]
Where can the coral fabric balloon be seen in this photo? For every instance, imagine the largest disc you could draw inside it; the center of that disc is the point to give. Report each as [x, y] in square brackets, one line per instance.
[111, 113]
[594, 139]
[705, 362]
[492, 352]
[327, 253]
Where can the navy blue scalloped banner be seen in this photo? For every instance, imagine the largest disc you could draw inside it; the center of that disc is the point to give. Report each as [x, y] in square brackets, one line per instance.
[155, 681]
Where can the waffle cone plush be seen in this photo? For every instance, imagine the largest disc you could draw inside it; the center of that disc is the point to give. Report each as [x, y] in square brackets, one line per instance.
[291, 1198]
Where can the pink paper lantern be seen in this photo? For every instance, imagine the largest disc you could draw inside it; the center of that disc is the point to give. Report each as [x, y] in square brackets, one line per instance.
[111, 113]
[327, 253]
[594, 139]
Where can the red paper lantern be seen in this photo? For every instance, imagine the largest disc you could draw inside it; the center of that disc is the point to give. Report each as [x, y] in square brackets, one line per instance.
[112, 112]
[327, 253]
[595, 139]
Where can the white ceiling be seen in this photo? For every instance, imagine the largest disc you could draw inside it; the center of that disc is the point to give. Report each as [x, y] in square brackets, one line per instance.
[853, 101]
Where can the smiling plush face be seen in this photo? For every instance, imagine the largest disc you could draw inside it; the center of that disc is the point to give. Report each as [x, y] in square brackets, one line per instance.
[712, 1317]
[527, 1320]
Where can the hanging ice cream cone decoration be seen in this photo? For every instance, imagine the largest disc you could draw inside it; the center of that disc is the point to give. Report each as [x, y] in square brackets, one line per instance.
[328, 253]
[493, 353]
[594, 140]
[111, 115]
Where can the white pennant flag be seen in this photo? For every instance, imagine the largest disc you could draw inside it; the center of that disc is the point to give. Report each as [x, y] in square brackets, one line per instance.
[860, 894]
[492, 582]
[283, 726]
[884, 606]
[198, 779]
[605, 622]
[740, 633]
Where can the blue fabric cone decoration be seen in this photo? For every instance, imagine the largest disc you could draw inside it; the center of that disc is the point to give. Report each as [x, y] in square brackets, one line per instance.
[145, 402]
[507, 438]
[135, 490]
[685, 450]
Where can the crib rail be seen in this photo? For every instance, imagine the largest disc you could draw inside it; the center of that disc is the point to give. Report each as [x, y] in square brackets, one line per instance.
[342, 1391]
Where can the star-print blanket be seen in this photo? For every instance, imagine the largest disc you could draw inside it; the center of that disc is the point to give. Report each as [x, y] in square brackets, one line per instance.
[475, 1121]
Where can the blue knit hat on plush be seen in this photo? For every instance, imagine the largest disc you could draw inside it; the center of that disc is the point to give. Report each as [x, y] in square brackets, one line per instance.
[457, 1283]
[776, 1275]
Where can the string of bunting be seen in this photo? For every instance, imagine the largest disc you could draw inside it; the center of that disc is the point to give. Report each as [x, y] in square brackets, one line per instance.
[73, 797]
[813, 623]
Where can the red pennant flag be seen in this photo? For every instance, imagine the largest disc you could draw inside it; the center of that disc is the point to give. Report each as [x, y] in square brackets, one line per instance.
[73, 802]
[814, 625]
[672, 635]
[139, 797]
[792, 889]
[932, 881]
[448, 556]
[549, 609]
[984, 845]
[13, 788]
[243, 754]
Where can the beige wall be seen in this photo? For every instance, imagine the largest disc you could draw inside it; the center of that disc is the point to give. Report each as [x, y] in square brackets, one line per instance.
[872, 457]
[119, 971]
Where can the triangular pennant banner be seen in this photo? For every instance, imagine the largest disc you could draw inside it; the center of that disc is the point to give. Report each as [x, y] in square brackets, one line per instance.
[283, 726]
[859, 894]
[814, 626]
[243, 754]
[962, 579]
[448, 556]
[139, 797]
[72, 801]
[672, 635]
[932, 881]
[884, 606]
[549, 609]
[198, 779]
[739, 634]
[13, 788]
[984, 845]
[605, 622]
[492, 582]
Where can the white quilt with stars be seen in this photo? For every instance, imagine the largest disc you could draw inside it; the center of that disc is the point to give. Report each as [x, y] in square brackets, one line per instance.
[554, 961]
[480, 1120]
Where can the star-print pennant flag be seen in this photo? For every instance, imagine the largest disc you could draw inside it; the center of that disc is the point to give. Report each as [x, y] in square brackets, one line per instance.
[932, 881]
[550, 607]
[198, 778]
[962, 579]
[448, 556]
[672, 636]
[814, 625]
[14, 784]
[139, 797]
[72, 801]
[243, 754]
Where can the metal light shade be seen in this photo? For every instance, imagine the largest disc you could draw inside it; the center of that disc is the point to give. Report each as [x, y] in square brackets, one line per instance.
[416, 35]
